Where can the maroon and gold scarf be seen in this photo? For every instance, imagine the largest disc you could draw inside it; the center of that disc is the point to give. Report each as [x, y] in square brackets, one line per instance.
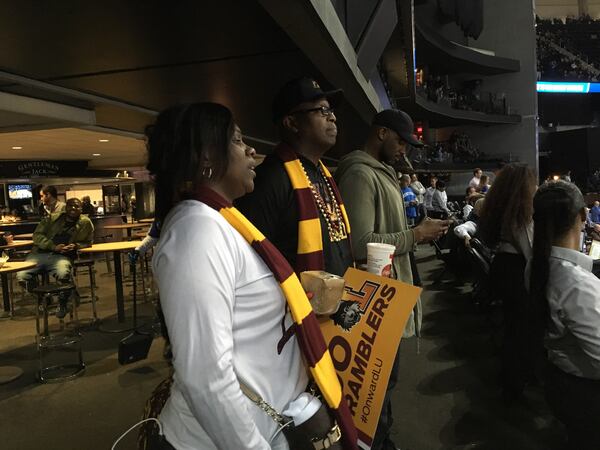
[309, 255]
[310, 339]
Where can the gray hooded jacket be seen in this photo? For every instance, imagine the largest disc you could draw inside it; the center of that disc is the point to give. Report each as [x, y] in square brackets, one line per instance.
[375, 208]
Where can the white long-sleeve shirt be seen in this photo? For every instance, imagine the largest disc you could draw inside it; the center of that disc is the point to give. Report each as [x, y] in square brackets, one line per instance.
[419, 191]
[467, 210]
[223, 310]
[428, 197]
[439, 201]
[573, 338]
[465, 229]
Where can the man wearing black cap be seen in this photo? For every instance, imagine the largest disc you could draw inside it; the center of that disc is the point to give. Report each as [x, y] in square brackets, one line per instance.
[368, 183]
[295, 202]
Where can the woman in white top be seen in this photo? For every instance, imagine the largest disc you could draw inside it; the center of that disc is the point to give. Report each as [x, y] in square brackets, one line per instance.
[428, 196]
[223, 307]
[417, 188]
[419, 191]
[566, 299]
[505, 226]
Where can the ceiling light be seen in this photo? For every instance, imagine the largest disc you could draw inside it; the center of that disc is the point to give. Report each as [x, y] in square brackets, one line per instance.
[95, 154]
[17, 148]
[102, 140]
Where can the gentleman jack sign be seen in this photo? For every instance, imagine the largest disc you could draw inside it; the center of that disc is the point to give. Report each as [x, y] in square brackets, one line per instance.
[363, 337]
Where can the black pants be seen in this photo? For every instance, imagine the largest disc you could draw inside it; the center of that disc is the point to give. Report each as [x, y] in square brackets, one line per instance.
[518, 358]
[414, 269]
[575, 402]
[381, 440]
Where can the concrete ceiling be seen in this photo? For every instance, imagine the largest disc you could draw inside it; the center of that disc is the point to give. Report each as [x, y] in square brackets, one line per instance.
[117, 63]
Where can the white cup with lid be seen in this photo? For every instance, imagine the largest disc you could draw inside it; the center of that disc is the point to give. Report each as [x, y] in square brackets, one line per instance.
[379, 259]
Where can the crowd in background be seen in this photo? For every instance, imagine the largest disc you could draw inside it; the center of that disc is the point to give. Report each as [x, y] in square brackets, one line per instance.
[421, 202]
[527, 247]
[579, 37]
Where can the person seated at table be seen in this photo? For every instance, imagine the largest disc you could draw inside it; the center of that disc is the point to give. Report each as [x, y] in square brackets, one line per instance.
[56, 240]
[567, 312]
[86, 206]
[50, 203]
[221, 291]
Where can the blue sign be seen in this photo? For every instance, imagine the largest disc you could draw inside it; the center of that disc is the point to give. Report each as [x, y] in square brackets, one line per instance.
[559, 87]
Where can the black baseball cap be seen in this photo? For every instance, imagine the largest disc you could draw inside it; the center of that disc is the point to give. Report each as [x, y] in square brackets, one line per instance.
[400, 122]
[299, 91]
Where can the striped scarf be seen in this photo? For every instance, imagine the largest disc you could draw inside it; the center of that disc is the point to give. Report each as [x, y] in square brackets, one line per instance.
[310, 240]
[310, 339]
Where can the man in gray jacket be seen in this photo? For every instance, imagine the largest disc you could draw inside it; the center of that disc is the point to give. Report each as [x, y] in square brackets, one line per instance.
[369, 186]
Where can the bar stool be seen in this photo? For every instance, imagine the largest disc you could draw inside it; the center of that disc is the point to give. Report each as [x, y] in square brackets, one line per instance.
[69, 342]
[16, 255]
[24, 297]
[89, 263]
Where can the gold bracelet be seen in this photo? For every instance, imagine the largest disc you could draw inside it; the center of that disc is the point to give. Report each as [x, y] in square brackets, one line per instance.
[334, 435]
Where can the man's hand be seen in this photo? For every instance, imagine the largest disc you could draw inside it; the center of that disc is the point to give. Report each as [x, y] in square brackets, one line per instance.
[65, 248]
[430, 230]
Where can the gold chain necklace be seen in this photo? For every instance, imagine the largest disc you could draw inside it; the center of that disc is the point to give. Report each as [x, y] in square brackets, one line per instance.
[331, 212]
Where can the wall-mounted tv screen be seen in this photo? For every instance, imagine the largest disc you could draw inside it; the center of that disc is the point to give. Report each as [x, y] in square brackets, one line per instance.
[19, 191]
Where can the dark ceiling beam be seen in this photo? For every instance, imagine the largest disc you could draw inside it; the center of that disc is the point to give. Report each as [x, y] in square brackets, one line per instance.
[72, 93]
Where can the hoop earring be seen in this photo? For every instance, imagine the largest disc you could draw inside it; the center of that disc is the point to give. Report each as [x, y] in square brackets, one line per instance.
[204, 173]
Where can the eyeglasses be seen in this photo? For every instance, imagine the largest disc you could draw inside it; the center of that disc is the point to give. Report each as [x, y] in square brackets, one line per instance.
[324, 110]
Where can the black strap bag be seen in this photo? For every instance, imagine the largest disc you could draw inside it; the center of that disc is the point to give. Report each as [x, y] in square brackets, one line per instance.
[136, 346]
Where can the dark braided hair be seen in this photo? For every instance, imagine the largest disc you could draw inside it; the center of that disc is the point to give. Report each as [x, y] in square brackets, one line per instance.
[182, 141]
[557, 205]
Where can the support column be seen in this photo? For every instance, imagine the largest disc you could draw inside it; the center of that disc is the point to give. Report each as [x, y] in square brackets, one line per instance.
[583, 7]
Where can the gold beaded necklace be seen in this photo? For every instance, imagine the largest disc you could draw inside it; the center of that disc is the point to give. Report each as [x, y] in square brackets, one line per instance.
[330, 211]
